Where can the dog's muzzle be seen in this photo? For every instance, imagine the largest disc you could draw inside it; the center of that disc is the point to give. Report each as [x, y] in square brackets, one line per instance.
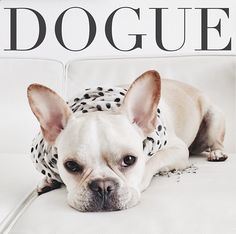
[103, 195]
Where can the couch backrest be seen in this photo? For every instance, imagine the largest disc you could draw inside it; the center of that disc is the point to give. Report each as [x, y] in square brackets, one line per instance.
[18, 126]
[215, 75]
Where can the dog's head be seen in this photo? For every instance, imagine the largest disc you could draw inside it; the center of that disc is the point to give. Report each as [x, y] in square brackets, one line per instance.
[100, 154]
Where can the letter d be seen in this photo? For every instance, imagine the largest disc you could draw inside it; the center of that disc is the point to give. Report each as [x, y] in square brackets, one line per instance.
[13, 29]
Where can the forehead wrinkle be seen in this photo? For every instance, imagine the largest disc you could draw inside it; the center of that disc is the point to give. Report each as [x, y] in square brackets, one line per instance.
[114, 169]
[85, 176]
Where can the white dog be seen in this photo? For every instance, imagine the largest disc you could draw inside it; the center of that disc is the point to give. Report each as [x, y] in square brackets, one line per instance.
[106, 144]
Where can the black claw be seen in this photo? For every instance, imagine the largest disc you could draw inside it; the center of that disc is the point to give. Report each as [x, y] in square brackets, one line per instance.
[45, 190]
[222, 159]
[54, 185]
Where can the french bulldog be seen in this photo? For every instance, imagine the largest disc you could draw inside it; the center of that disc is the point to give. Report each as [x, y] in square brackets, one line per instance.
[107, 156]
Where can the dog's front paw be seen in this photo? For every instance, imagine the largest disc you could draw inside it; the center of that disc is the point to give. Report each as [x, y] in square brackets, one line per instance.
[47, 185]
[217, 156]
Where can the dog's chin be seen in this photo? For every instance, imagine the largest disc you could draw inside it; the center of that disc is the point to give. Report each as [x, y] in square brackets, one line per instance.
[92, 204]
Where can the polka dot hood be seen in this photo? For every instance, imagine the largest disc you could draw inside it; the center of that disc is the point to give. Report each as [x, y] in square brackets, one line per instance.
[44, 156]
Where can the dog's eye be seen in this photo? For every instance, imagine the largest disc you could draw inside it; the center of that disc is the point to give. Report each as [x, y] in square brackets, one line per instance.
[73, 166]
[128, 160]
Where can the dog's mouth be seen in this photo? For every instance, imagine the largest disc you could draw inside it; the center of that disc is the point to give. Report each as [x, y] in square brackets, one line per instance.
[104, 204]
[106, 207]
[101, 204]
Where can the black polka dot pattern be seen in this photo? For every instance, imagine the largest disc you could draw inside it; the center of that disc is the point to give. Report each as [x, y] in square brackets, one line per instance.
[97, 99]
[86, 96]
[45, 157]
[157, 140]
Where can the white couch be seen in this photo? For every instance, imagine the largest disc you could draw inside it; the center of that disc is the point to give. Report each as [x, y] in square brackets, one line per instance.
[201, 202]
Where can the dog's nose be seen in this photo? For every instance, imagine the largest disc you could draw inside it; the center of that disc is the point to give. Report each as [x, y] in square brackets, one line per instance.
[103, 188]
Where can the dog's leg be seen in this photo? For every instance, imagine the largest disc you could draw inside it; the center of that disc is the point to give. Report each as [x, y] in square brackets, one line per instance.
[47, 185]
[215, 134]
[175, 156]
[210, 136]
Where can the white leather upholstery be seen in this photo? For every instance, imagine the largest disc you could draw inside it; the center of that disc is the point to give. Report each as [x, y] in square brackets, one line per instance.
[199, 203]
[18, 179]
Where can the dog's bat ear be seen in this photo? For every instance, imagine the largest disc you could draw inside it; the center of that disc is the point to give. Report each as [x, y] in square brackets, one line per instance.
[141, 101]
[50, 109]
